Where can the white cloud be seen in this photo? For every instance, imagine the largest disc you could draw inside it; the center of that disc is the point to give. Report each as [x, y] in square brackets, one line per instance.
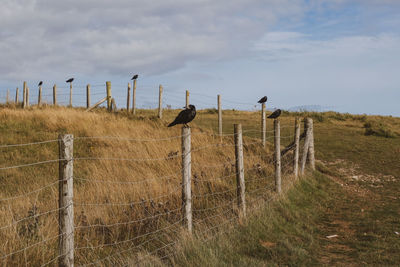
[58, 38]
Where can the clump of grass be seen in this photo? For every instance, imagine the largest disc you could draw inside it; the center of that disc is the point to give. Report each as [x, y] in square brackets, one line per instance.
[378, 129]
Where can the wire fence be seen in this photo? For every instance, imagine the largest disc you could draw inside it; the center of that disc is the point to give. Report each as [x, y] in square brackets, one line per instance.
[127, 195]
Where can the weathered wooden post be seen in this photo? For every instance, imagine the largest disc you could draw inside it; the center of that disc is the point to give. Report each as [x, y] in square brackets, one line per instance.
[263, 124]
[306, 146]
[160, 91]
[16, 96]
[296, 147]
[277, 141]
[241, 198]
[88, 96]
[24, 95]
[219, 115]
[70, 94]
[27, 97]
[187, 99]
[311, 147]
[54, 95]
[65, 204]
[40, 96]
[134, 97]
[128, 98]
[8, 96]
[186, 179]
[108, 87]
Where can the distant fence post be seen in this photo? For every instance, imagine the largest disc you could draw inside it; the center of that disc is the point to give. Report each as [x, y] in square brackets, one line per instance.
[263, 124]
[128, 98]
[108, 88]
[70, 94]
[160, 92]
[186, 178]
[16, 96]
[24, 95]
[311, 147]
[65, 205]
[277, 141]
[306, 145]
[8, 96]
[296, 147]
[187, 99]
[88, 96]
[134, 97]
[219, 116]
[240, 170]
[54, 95]
[27, 97]
[40, 96]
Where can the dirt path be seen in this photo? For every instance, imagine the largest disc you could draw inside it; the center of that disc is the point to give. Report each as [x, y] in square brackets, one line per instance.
[361, 224]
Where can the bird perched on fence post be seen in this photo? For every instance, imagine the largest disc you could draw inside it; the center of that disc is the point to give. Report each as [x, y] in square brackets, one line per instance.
[135, 77]
[275, 114]
[40, 83]
[185, 116]
[263, 99]
[69, 80]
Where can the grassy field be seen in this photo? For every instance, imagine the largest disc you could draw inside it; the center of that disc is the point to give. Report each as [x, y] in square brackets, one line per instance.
[354, 193]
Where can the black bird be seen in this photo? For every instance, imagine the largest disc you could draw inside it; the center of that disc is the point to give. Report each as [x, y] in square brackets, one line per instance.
[275, 114]
[135, 77]
[185, 116]
[263, 100]
[40, 83]
[69, 80]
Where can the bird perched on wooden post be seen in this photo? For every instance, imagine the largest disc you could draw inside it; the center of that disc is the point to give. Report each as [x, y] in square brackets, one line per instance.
[40, 83]
[275, 114]
[185, 116]
[135, 77]
[263, 100]
[69, 80]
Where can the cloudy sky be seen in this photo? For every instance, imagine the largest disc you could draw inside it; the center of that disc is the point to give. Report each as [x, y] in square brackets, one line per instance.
[341, 55]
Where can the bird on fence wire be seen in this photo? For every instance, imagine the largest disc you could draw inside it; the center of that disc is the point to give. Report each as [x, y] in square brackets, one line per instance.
[275, 114]
[40, 83]
[135, 77]
[69, 80]
[263, 100]
[185, 116]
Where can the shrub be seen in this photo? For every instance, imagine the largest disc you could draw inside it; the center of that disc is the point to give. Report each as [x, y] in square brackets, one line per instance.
[378, 129]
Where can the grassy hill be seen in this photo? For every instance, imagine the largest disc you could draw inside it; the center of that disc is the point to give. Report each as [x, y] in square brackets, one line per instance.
[135, 179]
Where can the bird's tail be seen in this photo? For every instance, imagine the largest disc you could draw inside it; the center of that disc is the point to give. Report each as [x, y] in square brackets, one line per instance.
[171, 124]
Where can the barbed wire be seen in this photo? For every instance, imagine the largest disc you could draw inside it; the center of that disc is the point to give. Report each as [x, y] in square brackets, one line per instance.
[30, 144]
[29, 193]
[31, 164]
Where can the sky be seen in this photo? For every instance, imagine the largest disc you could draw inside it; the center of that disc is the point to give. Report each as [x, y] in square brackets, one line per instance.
[341, 55]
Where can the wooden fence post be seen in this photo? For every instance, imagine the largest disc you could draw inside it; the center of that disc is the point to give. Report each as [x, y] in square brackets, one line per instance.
[27, 97]
[186, 178]
[296, 147]
[160, 91]
[134, 97]
[306, 146]
[16, 96]
[311, 147]
[240, 170]
[65, 204]
[54, 95]
[263, 124]
[187, 99]
[219, 116]
[40, 96]
[88, 96]
[128, 98]
[108, 87]
[70, 94]
[24, 95]
[277, 139]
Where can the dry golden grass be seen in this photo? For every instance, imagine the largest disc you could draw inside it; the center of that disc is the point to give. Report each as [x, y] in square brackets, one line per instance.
[150, 190]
